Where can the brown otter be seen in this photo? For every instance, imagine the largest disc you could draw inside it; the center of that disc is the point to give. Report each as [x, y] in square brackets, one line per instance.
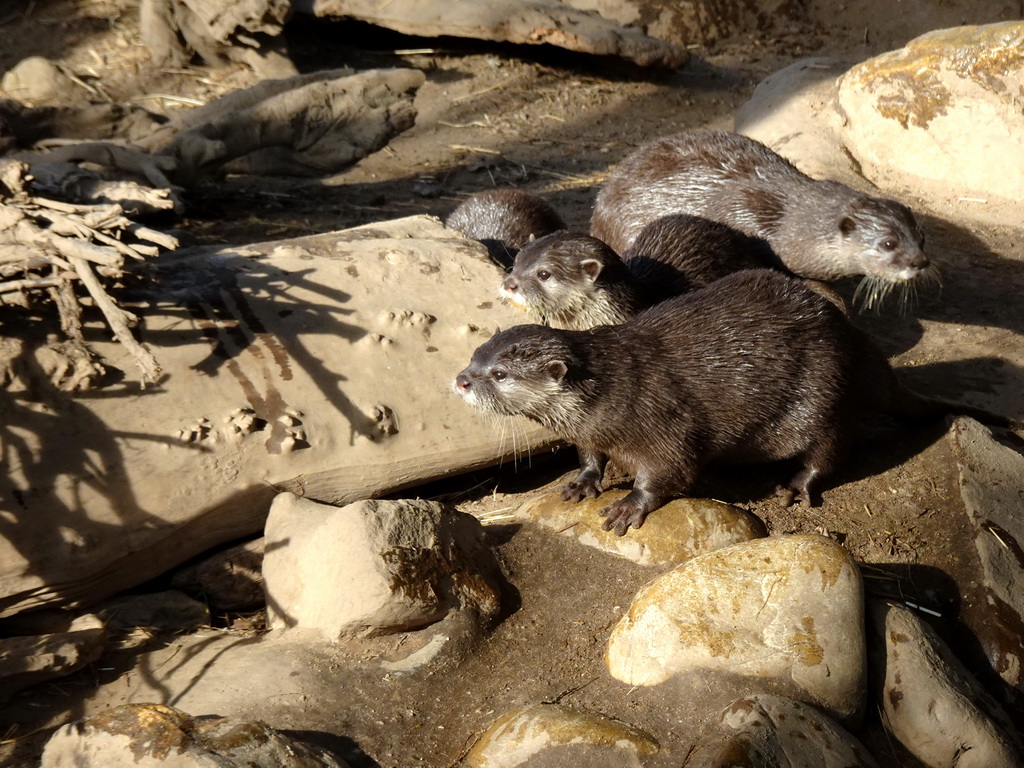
[819, 229]
[504, 220]
[575, 281]
[755, 367]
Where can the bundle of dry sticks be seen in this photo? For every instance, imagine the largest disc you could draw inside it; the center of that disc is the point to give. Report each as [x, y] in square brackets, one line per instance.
[57, 251]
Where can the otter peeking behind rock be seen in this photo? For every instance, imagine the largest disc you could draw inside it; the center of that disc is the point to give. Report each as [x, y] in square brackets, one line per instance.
[755, 367]
[504, 220]
[822, 230]
[574, 281]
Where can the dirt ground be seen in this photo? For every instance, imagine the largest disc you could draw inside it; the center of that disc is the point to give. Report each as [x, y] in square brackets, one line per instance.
[553, 123]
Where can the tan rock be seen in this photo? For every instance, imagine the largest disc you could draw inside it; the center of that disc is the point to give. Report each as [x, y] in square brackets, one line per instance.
[553, 734]
[682, 529]
[943, 116]
[29, 660]
[788, 608]
[373, 567]
[37, 81]
[229, 580]
[290, 367]
[768, 730]
[156, 736]
[932, 704]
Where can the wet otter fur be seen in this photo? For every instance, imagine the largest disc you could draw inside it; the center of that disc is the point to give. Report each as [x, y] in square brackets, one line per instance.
[574, 281]
[504, 220]
[755, 367]
[822, 230]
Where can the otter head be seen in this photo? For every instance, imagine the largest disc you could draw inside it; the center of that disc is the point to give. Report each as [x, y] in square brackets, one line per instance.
[520, 372]
[564, 279]
[883, 240]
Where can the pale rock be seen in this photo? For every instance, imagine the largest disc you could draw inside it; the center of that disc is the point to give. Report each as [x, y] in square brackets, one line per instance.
[991, 485]
[29, 660]
[37, 81]
[374, 567]
[157, 736]
[676, 532]
[321, 365]
[932, 703]
[942, 116]
[557, 735]
[786, 608]
[229, 580]
[765, 730]
[793, 111]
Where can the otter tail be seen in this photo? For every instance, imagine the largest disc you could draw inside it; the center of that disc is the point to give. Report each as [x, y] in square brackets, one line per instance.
[910, 405]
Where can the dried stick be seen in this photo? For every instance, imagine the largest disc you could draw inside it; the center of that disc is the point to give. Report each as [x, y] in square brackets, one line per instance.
[118, 320]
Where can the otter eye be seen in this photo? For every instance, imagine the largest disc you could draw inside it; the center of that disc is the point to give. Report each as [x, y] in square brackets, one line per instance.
[543, 274]
[889, 244]
[499, 375]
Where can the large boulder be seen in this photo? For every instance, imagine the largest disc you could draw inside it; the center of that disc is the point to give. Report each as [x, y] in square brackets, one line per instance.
[788, 609]
[321, 365]
[374, 567]
[942, 115]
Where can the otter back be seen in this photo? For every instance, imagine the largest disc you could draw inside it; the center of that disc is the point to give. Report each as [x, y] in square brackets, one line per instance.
[504, 220]
[818, 229]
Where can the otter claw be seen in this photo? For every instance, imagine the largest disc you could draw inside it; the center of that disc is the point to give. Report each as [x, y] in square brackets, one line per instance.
[621, 515]
[579, 489]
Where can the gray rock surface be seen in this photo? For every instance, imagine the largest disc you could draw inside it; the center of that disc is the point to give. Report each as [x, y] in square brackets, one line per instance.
[992, 486]
[134, 619]
[374, 567]
[784, 608]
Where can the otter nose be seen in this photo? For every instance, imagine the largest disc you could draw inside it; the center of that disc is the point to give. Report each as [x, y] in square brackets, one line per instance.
[510, 284]
[917, 260]
[462, 382]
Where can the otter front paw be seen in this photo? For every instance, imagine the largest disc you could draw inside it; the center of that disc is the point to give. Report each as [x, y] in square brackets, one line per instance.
[584, 486]
[622, 514]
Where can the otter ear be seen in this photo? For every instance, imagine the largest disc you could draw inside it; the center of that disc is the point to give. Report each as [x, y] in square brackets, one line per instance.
[557, 369]
[591, 268]
[847, 225]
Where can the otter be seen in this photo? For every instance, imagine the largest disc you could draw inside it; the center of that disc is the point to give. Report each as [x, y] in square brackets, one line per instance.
[574, 281]
[819, 229]
[504, 220]
[755, 367]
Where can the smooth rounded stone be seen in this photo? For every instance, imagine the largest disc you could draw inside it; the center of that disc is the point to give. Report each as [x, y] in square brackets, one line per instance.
[137, 618]
[991, 485]
[229, 580]
[374, 567]
[37, 80]
[29, 660]
[555, 735]
[789, 608]
[155, 736]
[932, 703]
[682, 529]
[766, 731]
[793, 112]
[943, 116]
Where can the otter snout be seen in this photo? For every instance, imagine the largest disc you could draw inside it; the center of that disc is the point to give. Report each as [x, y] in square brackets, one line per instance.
[463, 383]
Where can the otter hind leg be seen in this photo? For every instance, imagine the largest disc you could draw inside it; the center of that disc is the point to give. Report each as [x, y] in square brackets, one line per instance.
[818, 463]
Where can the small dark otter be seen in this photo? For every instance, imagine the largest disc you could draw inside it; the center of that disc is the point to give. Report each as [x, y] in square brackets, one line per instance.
[504, 220]
[756, 367]
[822, 230]
[571, 280]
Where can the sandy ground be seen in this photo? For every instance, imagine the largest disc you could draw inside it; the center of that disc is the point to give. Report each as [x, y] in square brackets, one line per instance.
[553, 123]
